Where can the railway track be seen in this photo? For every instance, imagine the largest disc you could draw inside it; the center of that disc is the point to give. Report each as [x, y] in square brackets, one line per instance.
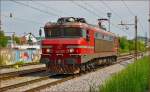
[51, 80]
[6, 76]
[9, 75]
[77, 75]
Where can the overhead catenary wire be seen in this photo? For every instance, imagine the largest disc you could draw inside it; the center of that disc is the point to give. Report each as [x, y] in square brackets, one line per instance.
[131, 13]
[88, 10]
[48, 7]
[81, 6]
[127, 8]
[35, 8]
[102, 1]
[98, 15]
[89, 5]
[107, 6]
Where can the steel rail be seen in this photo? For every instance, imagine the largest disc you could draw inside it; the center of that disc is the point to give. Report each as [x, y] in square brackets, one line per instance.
[6, 76]
[23, 83]
[5, 88]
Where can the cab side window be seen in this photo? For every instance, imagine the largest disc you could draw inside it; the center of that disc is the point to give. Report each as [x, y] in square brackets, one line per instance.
[84, 33]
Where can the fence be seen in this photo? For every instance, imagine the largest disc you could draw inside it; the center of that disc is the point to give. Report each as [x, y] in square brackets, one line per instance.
[10, 56]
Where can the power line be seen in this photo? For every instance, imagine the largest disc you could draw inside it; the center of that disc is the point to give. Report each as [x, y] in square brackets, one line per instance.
[127, 7]
[98, 15]
[44, 5]
[88, 10]
[130, 11]
[35, 8]
[92, 6]
[110, 8]
[106, 5]
[113, 12]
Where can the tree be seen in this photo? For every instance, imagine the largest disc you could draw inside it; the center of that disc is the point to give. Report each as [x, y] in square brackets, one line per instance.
[124, 44]
[129, 45]
[3, 39]
[1, 33]
[17, 39]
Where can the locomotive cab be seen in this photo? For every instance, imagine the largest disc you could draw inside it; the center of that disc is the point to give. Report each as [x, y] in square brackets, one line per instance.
[64, 44]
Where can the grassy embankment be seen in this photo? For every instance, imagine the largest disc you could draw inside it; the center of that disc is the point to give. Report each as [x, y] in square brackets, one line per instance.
[132, 79]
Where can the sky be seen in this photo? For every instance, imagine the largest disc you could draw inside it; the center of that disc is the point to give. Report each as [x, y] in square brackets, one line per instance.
[30, 15]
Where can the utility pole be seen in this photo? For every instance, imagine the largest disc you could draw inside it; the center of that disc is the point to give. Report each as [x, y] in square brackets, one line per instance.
[0, 19]
[146, 40]
[136, 50]
[135, 26]
[149, 31]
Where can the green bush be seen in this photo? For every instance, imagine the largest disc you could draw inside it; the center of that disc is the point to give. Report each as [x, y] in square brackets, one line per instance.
[133, 79]
[19, 63]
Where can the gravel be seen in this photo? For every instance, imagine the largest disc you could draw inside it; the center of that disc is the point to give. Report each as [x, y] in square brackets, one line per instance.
[90, 80]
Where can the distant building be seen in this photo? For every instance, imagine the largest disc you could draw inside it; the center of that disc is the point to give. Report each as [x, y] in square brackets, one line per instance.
[11, 43]
[29, 39]
[23, 40]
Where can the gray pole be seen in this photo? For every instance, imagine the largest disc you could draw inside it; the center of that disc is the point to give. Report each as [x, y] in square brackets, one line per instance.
[149, 29]
[136, 38]
[109, 15]
[0, 19]
[0, 24]
[109, 24]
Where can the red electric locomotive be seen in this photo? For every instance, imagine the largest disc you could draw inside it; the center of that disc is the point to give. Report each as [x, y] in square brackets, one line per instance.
[71, 46]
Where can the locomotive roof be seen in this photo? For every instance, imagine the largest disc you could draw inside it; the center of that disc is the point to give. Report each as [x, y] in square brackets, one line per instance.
[97, 29]
[78, 24]
[71, 24]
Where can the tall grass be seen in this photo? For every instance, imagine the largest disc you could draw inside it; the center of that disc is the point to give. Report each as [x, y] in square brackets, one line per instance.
[135, 78]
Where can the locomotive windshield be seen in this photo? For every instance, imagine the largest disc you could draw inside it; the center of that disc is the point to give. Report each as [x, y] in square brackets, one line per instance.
[68, 32]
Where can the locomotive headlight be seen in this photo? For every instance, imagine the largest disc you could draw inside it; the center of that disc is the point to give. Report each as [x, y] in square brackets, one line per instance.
[48, 50]
[59, 61]
[71, 50]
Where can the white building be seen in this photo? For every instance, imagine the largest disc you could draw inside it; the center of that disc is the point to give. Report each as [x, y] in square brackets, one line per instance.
[30, 36]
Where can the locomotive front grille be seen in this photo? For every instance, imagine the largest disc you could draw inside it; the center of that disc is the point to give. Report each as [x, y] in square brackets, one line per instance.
[66, 69]
[44, 61]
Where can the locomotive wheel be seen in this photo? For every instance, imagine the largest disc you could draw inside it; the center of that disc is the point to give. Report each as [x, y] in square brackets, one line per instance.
[83, 68]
